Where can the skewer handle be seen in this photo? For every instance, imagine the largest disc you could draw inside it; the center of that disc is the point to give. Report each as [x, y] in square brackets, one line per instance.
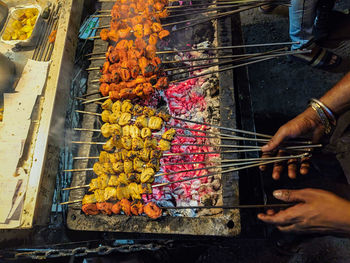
[88, 112]
[71, 202]
[229, 207]
[78, 170]
[75, 187]
[94, 37]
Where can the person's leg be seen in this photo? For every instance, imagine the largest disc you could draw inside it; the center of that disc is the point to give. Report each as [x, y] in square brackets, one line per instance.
[302, 14]
[323, 14]
[340, 143]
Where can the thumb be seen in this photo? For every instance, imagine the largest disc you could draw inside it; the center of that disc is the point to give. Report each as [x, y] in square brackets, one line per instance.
[276, 140]
[289, 195]
[317, 135]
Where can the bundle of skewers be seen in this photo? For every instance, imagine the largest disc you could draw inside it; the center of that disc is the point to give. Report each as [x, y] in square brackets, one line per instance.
[133, 67]
[130, 162]
[135, 156]
[169, 10]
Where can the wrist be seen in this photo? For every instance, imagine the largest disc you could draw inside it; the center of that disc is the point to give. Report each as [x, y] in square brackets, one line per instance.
[327, 111]
[344, 220]
[325, 115]
[312, 117]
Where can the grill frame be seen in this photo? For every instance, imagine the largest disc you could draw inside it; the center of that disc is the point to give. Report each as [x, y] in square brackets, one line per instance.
[225, 224]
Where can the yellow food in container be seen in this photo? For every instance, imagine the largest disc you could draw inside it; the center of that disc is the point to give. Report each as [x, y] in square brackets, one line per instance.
[21, 25]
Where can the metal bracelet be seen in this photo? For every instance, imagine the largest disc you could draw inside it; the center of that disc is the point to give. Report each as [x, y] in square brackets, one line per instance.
[329, 114]
[325, 122]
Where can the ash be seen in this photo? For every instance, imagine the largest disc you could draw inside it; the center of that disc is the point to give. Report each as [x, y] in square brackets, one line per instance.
[194, 99]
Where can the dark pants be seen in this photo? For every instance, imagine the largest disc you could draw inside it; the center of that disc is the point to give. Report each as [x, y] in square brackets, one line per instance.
[340, 143]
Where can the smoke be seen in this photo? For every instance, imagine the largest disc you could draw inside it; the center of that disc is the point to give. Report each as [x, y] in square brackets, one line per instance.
[59, 134]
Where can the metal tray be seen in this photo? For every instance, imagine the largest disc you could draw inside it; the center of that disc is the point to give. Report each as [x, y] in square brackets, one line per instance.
[36, 30]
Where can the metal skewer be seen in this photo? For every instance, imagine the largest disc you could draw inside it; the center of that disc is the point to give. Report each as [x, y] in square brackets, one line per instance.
[233, 164]
[243, 148]
[91, 100]
[164, 174]
[267, 54]
[203, 66]
[209, 168]
[232, 67]
[226, 47]
[194, 6]
[209, 207]
[210, 58]
[106, 13]
[195, 11]
[42, 36]
[94, 100]
[88, 112]
[255, 164]
[221, 135]
[218, 127]
[214, 173]
[276, 158]
[217, 136]
[207, 65]
[194, 59]
[309, 146]
[232, 130]
[203, 20]
[209, 18]
[211, 48]
[51, 24]
[78, 169]
[228, 207]
[219, 70]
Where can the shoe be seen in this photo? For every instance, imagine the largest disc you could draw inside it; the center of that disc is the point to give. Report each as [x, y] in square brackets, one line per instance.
[319, 57]
[267, 9]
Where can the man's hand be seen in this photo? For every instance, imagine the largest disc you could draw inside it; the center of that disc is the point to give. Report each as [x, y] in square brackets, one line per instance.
[318, 211]
[304, 123]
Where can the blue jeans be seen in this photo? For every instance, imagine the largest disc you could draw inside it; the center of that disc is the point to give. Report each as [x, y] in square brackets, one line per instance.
[302, 15]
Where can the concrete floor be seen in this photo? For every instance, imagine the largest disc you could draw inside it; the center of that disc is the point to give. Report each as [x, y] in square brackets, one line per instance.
[281, 88]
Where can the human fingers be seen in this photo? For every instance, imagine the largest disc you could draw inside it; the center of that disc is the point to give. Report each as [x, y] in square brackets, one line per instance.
[264, 166]
[318, 134]
[305, 165]
[300, 227]
[292, 168]
[280, 135]
[282, 218]
[288, 228]
[292, 195]
[270, 212]
[278, 167]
